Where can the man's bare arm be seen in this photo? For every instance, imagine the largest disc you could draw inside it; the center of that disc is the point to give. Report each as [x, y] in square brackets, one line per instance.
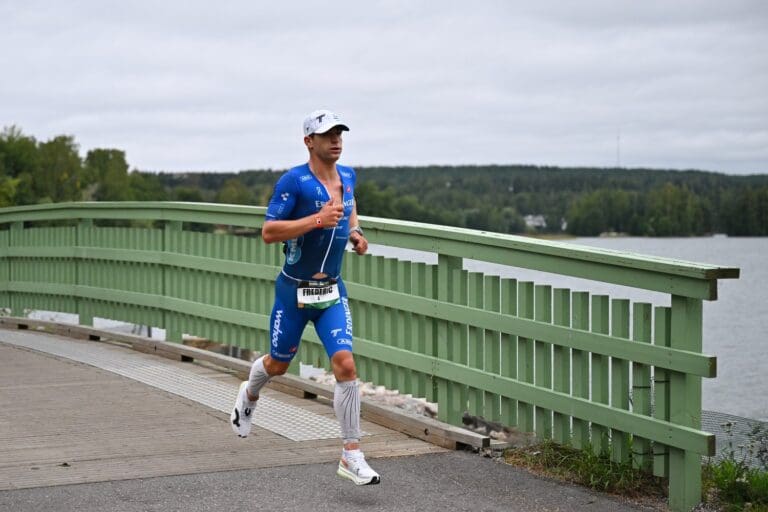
[359, 243]
[281, 230]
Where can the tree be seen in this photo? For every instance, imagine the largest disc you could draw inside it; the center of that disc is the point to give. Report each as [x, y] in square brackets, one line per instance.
[674, 210]
[188, 194]
[108, 168]
[234, 192]
[60, 176]
[19, 162]
[8, 188]
[147, 187]
[18, 152]
[587, 215]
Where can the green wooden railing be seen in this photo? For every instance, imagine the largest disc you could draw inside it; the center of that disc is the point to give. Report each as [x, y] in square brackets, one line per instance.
[578, 368]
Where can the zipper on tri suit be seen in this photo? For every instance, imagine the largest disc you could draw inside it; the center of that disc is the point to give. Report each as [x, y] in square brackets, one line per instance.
[333, 232]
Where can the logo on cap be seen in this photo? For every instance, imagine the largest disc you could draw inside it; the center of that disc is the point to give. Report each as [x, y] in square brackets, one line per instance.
[320, 121]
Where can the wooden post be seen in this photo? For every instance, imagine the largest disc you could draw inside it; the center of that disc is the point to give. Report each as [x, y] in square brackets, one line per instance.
[685, 405]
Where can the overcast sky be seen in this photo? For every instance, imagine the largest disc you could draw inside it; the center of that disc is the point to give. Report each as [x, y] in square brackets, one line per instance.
[224, 86]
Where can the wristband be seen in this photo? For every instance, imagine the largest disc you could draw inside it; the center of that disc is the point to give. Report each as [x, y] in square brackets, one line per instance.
[318, 222]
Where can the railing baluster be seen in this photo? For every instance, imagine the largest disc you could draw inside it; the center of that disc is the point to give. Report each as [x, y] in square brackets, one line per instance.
[492, 302]
[600, 324]
[445, 279]
[388, 282]
[456, 349]
[476, 353]
[543, 359]
[561, 423]
[508, 355]
[525, 354]
[641, 383]
[417, 335]
[403, 320]
[661, 337]
[362, 323]
[620, 378]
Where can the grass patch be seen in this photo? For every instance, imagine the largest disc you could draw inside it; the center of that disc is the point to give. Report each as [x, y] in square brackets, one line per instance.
[584, 467]
[730, 483]
[732, 486]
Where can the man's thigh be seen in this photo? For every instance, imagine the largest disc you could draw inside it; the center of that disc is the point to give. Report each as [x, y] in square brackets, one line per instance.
[334, 327]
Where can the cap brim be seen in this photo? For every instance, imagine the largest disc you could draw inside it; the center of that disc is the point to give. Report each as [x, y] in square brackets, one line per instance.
[340, 125]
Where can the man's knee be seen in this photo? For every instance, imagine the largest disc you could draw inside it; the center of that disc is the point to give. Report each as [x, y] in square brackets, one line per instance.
[274, 367]
[344, 366]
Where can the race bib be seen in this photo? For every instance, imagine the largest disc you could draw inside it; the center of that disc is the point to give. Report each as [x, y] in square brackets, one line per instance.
[317, 294]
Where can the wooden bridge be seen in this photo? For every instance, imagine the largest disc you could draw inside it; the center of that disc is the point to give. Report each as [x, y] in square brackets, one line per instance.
[594, 371]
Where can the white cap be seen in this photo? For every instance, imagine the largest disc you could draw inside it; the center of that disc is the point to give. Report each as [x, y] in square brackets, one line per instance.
[320, 121]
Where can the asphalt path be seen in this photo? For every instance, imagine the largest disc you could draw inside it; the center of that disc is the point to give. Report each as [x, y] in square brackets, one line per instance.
[437, 482]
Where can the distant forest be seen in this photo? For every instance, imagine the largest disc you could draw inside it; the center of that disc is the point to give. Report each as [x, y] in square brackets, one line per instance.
[501, 198]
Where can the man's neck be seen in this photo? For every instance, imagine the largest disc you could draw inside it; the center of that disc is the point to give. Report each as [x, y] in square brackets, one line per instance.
[324, 170]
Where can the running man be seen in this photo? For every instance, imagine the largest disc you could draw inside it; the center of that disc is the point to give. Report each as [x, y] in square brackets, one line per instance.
[313, 212]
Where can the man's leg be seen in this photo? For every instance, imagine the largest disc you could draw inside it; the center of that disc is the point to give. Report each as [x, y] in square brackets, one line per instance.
[334, 327]
[346, 398]
[286, 325]
[262, 369]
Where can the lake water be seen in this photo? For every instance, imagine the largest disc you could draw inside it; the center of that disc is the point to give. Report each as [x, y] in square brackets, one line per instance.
[734, 325]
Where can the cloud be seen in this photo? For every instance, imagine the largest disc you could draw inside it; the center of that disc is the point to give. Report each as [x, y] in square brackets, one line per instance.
[198, 86]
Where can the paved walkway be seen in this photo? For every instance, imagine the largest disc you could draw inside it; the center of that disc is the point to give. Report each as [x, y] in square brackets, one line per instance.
[78, 437]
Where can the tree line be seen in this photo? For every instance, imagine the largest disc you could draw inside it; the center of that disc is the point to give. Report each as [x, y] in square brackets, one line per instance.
[501, 198]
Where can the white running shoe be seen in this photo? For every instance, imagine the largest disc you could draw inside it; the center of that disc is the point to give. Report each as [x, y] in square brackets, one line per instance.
[354, 467]
[241, 412]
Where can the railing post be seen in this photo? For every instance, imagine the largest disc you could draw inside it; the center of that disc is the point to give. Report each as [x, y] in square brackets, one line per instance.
[171, 323]
[84, 314]
[685, 405]
[13, 239]
[445, 267]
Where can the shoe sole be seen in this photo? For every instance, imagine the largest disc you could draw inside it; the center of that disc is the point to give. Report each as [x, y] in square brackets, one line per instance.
[343, 473]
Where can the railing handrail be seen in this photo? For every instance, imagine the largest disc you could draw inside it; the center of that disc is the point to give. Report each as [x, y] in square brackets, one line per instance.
[677, 277]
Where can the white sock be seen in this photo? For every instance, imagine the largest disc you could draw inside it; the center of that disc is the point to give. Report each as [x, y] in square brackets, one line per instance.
[258, 377]
[346, 403]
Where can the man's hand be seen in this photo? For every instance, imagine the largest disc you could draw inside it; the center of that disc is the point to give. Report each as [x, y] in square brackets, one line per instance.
[330, 214]
[359, 243]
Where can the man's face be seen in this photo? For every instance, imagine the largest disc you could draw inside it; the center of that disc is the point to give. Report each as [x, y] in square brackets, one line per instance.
[326, 146]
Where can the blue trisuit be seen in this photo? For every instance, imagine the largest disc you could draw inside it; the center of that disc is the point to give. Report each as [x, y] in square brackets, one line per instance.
[298, 193]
